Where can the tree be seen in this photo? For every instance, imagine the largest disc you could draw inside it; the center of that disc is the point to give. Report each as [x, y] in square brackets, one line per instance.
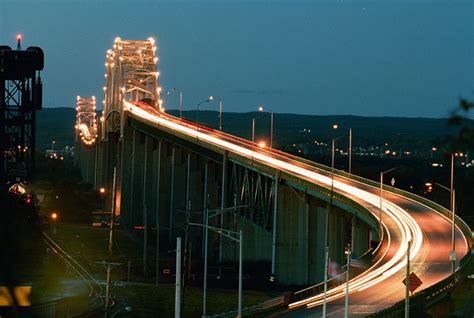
[460, 118]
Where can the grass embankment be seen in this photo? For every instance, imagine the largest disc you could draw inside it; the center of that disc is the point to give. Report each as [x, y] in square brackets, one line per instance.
[90, 245]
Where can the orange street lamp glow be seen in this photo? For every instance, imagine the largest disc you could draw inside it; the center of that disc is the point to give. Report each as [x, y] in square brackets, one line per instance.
[19, 36]
[102, 190]
[54, 216]
[262, 144]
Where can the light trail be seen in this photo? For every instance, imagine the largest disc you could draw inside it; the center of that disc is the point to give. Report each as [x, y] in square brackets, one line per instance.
[408, 227]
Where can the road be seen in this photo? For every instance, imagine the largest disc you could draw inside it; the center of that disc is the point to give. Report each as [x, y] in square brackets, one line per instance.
[403, 219]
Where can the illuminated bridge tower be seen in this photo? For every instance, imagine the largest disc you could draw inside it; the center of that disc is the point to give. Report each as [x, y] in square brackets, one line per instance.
[130, 75]
[86, 137]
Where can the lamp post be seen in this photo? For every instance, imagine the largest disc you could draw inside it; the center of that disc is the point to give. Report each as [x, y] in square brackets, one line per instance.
[209, 100]
[220, 114]
[102, 197]
[336, 126]
[54, 218]
[346, 305]
[180, 100]
[381, 200]
[326, 237]
[407, 283]
[233, 235]
[452, 254]
[262, 109]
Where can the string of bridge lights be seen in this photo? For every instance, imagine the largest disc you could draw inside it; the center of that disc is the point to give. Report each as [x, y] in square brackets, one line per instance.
[86, 120]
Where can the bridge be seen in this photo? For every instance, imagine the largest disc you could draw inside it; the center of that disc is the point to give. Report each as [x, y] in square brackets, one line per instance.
[294, 214]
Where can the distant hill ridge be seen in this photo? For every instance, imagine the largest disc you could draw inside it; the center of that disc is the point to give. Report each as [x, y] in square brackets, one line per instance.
[58, 124]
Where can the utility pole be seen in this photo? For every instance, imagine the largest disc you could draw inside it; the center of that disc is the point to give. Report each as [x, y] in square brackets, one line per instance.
[111, 237]
[407, 283]
[180, 104]
[326, 254]
[452, 254]
[177, 301]
[206, 237]
[220, 115]
[346, 306]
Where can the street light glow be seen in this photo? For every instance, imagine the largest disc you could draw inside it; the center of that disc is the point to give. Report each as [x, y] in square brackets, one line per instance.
[260, 108]
[335, 126]
[54, 216]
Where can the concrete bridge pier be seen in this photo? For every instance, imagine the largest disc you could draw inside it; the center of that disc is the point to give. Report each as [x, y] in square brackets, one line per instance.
[300, 236]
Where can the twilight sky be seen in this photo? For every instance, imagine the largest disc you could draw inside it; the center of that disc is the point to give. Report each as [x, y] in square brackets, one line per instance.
[378, 58]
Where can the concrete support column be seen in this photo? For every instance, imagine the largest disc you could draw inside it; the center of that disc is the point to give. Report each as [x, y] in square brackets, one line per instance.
[316, 234]
[360, 238]
[223, 203]
[291, 238]
[171, 208]
[127, 168]
[276, 182]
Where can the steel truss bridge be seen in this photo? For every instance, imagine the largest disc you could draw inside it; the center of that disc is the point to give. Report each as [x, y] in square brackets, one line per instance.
[171, 170]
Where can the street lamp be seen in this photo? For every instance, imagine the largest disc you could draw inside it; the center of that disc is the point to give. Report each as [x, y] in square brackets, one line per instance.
[348, 252]
[336, 126]
[220, 114]
[209, 100]
[262, 109]
[233, 235]
[54, 218]
[102, 196]
[52, 146]
[452, 254]
[180, 99]
[381, 199]
[326, 237]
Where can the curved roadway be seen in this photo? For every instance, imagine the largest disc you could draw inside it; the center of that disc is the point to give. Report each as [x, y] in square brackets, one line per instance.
[403, 219]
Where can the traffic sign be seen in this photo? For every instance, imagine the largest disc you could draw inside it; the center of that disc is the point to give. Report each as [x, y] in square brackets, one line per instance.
[415, 282]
